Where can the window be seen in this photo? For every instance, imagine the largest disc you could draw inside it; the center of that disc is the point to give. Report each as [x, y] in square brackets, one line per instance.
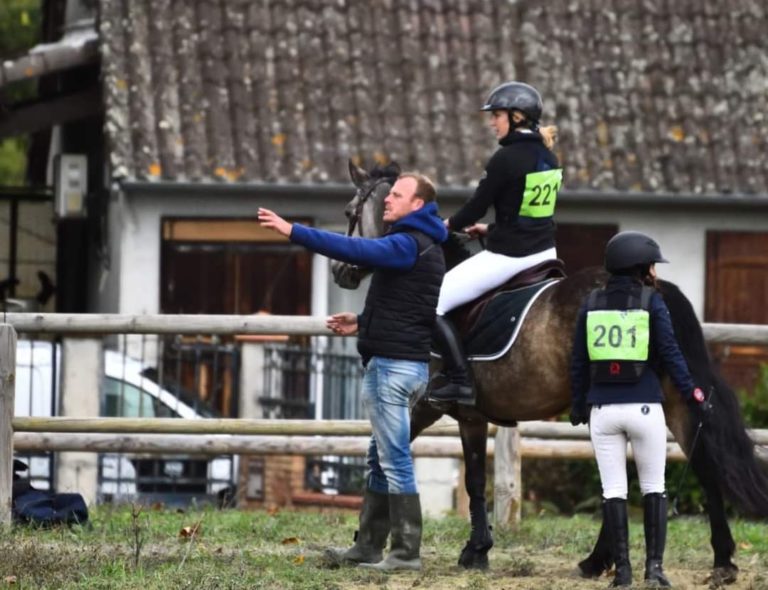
[124, 400]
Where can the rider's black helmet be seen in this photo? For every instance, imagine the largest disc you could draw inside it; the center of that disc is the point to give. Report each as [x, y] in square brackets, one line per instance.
[515, 96]
[628, 249]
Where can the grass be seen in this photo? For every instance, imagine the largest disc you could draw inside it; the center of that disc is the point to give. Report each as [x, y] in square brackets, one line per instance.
[159, 549]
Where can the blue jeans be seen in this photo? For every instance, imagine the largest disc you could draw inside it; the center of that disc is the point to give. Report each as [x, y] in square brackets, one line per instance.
[388, 386]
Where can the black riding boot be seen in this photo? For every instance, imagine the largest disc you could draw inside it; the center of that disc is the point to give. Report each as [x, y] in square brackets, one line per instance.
[371, 537]
[655, 521]
[615, 515]
[459, 387]
[405, 517]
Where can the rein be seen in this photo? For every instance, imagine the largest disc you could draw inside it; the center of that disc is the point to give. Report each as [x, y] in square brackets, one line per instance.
[355, 218]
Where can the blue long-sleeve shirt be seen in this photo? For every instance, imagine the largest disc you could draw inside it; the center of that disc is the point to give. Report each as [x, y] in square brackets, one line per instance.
[664, 347]
[394, 250]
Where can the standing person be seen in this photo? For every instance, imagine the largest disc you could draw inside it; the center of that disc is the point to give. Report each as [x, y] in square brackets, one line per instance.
[394, 337]
[521, 182]
[623, 339]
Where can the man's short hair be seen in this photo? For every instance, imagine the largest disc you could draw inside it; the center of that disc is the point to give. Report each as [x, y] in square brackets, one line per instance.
[425, 188]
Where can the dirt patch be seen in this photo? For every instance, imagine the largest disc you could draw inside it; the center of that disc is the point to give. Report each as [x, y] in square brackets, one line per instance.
[540, 572]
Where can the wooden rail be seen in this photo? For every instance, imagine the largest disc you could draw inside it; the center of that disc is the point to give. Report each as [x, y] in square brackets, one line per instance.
[212, 444]
[92, 323]
[534, 429]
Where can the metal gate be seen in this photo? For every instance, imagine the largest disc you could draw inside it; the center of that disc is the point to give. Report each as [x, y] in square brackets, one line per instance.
[302, 382]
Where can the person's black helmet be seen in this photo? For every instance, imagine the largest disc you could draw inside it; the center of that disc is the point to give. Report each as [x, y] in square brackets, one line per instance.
[629, 249]
[515, 96]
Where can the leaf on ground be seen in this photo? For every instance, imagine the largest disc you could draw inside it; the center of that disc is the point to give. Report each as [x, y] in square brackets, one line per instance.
[10, 580]
[273, 511]
[188, 532]
[745, 545]
[299, 560]
[291, 541]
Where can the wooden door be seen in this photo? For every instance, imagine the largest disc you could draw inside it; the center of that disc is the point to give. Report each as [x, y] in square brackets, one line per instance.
[737, 292]
[581, 245]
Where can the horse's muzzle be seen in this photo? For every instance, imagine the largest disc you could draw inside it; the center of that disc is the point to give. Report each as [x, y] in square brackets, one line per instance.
[347, 276]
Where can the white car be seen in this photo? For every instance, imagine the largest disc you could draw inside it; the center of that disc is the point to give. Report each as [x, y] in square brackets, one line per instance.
[127, 392]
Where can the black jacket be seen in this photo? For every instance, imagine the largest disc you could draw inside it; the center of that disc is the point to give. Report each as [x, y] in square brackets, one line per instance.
[502, 186]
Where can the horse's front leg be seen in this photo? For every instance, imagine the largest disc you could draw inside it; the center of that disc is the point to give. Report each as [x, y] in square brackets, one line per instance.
[474, 437]
[423, 415]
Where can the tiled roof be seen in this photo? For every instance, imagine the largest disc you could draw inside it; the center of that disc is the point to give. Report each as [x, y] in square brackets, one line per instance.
[654, 95]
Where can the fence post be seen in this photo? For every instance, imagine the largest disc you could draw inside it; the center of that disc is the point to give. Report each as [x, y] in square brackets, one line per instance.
[81, 375]
[7, 397]
[507, 479]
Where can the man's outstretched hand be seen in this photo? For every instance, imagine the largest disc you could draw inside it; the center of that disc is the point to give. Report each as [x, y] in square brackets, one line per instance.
[343, 324]
[273, 221]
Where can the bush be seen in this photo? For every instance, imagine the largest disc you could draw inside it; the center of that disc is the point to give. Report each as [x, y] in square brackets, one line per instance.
[754, 405]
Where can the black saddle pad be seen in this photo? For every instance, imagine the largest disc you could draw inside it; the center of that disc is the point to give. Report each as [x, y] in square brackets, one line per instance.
[497, 327]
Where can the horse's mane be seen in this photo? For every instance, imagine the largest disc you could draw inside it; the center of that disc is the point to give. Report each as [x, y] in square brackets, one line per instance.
[724, 436]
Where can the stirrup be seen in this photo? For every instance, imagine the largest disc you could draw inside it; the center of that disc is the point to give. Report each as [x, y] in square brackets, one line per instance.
[453, 392]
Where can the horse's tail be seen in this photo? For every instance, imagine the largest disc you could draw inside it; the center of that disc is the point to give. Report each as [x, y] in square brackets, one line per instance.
[724, 438]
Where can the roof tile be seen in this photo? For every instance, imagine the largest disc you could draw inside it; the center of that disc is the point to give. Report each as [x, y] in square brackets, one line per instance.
[653, 95]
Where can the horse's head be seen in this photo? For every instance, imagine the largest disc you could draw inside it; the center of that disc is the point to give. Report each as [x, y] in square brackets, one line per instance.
[365, 214]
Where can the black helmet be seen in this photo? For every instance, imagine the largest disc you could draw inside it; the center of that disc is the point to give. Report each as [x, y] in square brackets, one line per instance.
[515, 96]
[631, 248]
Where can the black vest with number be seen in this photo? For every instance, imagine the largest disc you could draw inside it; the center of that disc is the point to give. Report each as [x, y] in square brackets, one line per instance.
[399, 311]
[615, 370]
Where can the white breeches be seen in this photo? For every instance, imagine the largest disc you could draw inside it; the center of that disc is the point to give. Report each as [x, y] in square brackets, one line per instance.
[481, 273]
[610, 426]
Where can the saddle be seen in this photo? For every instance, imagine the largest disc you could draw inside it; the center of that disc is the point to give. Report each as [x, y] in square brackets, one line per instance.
[465, 317]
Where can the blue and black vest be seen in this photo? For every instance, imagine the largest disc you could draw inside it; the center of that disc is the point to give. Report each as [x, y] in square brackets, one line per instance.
[399, 312]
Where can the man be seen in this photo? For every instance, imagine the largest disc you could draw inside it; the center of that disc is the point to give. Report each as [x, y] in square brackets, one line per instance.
[394, 337]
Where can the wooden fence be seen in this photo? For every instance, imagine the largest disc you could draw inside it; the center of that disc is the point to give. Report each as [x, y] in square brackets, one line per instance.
[215, 436]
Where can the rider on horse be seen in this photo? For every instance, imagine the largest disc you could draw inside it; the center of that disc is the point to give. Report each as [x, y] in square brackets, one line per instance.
[521, 181]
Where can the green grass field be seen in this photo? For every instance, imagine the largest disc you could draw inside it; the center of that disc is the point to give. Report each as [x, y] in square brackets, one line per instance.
[158, 549]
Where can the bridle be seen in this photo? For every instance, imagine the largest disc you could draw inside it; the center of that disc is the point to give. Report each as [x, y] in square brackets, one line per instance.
[355, 217]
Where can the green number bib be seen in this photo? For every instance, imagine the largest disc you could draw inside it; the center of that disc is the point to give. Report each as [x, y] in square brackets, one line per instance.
[614, 335]
[541, 193]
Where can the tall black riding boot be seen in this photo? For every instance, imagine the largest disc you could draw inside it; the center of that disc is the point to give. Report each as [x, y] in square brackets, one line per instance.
[371, 537]
[615, 515]
[404, 551]
[455, 366]
[655, 521]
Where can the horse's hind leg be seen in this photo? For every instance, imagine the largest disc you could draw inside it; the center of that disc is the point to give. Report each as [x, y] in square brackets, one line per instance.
[474, 437]
[721, 538]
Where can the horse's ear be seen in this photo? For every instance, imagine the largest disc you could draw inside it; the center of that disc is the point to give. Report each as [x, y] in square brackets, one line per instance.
[395, 167]
[357, 174]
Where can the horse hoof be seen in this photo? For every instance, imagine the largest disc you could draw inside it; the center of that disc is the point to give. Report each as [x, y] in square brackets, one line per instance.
[723, 575]
[475, 557]
[473, 561]
[592, 567]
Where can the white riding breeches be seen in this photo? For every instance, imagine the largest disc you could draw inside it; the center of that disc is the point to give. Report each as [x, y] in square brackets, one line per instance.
[610, 426]
[481, 273]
